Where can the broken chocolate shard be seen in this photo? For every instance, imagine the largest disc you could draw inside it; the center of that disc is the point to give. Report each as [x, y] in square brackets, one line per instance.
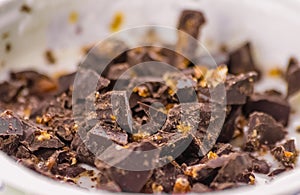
[241, 60]
[166, 176]
[10, 124]
[263, 130]
[117, 71]
[65, 82]
[277, 172]
[230, 124]
[260, 166]
[37, 84]
[105, 134]
[271, 104]
[11, 90]
[129, 180]
[239, 87]
[286, 153]
[293, 77]
[237, 165]
[189, 23]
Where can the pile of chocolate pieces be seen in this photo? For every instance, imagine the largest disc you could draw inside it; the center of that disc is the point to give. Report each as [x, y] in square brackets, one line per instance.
[39, 131]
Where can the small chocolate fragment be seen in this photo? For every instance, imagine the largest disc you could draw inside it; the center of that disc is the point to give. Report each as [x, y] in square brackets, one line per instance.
[25, 8]
[49, 56]
[66, 170]
[105, 134]
[260, 166]
[271, 104]
[241, 60]
[293, 77]
[117, 71]
[133, 181]
[65, 82]
[37, 84]
[166, 177]
[286, 153]
[10, 124]
[277, 172]
[190, 23]
[230, 124]
[114, 107]
[236, 166]
[263, 130]
[37, 138]
[11, 90]
[239, 87]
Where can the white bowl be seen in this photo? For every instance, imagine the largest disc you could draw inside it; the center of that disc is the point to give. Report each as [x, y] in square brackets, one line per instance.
[272, 26]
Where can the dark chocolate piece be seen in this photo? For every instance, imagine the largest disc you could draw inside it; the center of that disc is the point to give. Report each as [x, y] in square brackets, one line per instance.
[230, 124]
[274, 105]
[241, 60]
[10, 124]
[260, 166]
[286, 153]
[263, 130]
[65, 82]
[239, 87]
[37, 84]
[293, 77]
[277, 172]
[133, 181]
[189, 23]
[10, 90]
[236, 166]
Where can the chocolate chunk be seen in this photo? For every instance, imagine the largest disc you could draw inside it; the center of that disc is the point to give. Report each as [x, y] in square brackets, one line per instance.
[86, 82]
[117, 71]
[84, 155]
[205, 173]
[114, 107]
[38, 138]
[260, 166]
[10, 124]
[37, 84]
[11, 90]
[66, 170]
[65, 82]
[286, 153]
[263, 130]
[274, 105]
[237, 165]
[166, 177]
[241, 60]
[230, 124]
[133, 181]
[9, 144]
[293, 76]
[103, 135]
[277, 172]
[22, 152]
[238, 88]
[190, 22]
[145, 54]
